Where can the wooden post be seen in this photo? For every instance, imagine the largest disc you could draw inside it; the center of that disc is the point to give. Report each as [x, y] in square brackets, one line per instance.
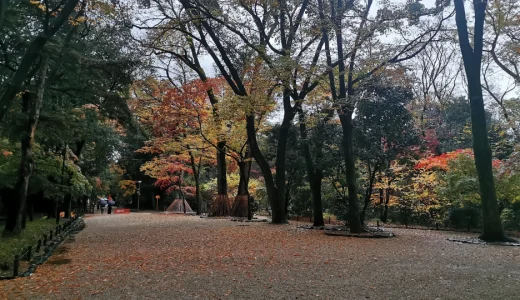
[50, 235]
[44, 240]
[16, 265]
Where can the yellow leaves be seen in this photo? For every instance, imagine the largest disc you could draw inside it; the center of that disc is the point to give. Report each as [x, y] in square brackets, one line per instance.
[77, 21]
[128, 187]
[38, 4]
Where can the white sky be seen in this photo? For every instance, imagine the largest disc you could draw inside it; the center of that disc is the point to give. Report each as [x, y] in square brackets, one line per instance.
[500, 81]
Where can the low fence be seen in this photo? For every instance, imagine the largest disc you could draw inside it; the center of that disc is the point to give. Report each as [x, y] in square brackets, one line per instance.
[35, 255]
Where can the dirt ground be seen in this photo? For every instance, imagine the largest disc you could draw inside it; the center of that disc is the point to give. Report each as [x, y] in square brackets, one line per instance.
[157, 256]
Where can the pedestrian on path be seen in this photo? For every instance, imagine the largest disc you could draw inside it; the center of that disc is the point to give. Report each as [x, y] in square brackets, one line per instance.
[102, 204]
[110, 203]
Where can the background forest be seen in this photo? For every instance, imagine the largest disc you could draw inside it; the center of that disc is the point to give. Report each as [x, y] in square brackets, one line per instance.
[358, 110]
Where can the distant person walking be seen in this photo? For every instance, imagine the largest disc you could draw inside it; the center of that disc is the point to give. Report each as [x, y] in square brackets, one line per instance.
[102, 204]
[110, 203]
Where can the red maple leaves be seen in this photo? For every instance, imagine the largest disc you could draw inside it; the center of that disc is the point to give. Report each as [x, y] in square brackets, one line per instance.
[440, 162]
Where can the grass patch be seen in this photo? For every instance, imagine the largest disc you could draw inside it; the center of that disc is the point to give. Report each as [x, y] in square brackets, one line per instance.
[9, 246]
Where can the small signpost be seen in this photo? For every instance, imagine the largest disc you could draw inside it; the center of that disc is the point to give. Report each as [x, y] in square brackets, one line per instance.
[157, 202]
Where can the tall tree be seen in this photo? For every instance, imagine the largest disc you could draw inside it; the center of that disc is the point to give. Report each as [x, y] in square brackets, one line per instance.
[472, 57]
[55, 17]
[343, 83]
[285, 21]
[32, 105]
[383, 131]
[178, 47]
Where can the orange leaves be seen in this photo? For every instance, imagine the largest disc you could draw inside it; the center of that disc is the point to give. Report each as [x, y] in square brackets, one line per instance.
[99, 183]
[175, 117]
[440, 162]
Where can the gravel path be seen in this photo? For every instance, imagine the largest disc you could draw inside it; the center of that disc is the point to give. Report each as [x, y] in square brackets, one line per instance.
[155, 256]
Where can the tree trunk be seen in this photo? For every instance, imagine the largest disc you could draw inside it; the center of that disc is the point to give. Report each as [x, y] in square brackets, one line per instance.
[472, 57]
[58, 209]
[15, 221]
[221, 206]
[351, 174]
[241, 204]
[387, 201]
[196, 177]
[381, 204]
[316, 197]
[314, 173]
[278, 217]
[368, 194]
[287, 197]
[345, 96]
[278, 206]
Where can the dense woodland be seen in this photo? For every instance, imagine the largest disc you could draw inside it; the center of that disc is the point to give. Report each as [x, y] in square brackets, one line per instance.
[397, 111]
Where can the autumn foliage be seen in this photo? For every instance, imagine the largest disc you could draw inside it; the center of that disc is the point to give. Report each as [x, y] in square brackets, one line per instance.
[440, 162]
[175, 117]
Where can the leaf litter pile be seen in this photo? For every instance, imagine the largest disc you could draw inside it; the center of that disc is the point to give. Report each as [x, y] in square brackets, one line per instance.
[147, 256]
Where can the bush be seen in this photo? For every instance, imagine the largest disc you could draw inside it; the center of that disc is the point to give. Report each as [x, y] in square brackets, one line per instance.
[464, 217]
[339, 208]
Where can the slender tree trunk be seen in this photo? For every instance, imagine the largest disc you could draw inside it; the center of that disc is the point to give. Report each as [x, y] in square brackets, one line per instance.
[472, 57]
[316, 196]
[32, 108]
[58, 209]
[351, 174]
[221, 206]
[314, 173]
[278, 206]
[381, 204]
[287, 196]
[423, 112]
[272, 193]
[368, 194]
[196, 177]
[387, 201]
[345, 96]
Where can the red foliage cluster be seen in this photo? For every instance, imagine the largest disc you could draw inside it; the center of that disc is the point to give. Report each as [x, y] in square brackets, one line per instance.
[441, 161]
